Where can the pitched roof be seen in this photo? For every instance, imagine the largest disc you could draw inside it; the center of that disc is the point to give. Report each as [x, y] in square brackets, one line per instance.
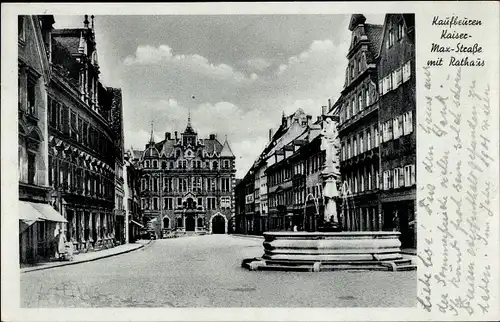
[374, 34]
[226, 150]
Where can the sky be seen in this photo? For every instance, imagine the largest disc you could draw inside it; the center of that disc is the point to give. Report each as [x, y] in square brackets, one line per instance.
[236, 73]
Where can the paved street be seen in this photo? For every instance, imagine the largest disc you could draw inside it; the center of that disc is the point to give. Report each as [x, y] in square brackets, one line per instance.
[204, 271]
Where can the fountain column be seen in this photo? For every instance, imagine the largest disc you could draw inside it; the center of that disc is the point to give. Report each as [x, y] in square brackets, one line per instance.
[330, 173]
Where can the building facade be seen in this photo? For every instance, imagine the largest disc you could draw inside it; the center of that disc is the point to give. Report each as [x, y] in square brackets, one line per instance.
[132, 223]
[117, 128]
[38, 221]
[283, 188]
[397, 108]
[359, 130]
[188, 182]
[82, 153]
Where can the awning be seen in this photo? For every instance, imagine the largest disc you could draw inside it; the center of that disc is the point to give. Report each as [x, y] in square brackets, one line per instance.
[40, 211]
[28, 213]
[135, 222]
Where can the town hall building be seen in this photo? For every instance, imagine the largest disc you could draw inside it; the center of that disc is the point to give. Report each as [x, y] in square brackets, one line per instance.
[188, 182]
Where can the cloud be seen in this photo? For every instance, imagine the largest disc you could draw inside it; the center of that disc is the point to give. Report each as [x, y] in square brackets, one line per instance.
[317, 51]
[163, 55]
[259, 64]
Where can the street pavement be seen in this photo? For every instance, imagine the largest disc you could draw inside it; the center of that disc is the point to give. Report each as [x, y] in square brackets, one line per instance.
[205, 271]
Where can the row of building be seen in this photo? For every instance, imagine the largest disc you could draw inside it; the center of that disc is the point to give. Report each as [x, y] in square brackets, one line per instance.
[70, 152]
[375, 118]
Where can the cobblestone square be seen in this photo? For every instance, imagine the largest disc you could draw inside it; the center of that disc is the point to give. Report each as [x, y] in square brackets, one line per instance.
[205, 271]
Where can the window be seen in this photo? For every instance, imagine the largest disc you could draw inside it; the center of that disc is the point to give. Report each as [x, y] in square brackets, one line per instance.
[31, 167]
[74, 126]
[367, 96]
[406, 71]
[368, 140]
[398, 178]
[400, 30]
[397, 126]
[381, 87]
[387, 133]
[407, 175]
[348, 148]
[376, 136]
[179, 201]
[171, 165]
[215, 165]
[155, 164]
[169, 203]
[397, 77]
[360, 101]
[200, 201]
[355, 147]
[353, 106]
[385, 178]
[369, 187]
[408, 122]
[147, 164]
[31, 92]
[361, 143]
[391, 37]
[155, 203]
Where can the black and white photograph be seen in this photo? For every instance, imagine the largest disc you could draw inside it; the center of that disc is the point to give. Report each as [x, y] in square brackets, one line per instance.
[250, 161]
[217, 161]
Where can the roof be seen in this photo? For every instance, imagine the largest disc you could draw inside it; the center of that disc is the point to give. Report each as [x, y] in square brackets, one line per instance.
[166, 147]
[226, 150]
[374, 34]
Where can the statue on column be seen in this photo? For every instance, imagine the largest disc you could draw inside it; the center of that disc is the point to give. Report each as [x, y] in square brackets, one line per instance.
[330, 173]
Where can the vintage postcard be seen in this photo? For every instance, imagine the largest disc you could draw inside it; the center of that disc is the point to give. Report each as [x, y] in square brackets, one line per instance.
[291, 161]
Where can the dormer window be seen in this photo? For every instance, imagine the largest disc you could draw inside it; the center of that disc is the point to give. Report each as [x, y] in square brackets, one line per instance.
[155, 164]
[147, 164]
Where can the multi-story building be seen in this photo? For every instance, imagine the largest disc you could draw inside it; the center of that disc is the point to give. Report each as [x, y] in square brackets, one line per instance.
[397, 108]
[38, 221]
[132, 223]
[188, 182]
[82, 153]
[358, 130]
[117, 127]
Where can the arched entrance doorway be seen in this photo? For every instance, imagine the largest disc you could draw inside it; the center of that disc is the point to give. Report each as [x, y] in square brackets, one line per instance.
[166, 223]
[200, 222]
[218, 224]
[190, 223]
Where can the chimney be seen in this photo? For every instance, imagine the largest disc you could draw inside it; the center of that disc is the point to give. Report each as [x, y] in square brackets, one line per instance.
[309, 119]
[167, 135]
[324, 110]
[175, 133]
[270, 134]
[212, 136]
[329, 104]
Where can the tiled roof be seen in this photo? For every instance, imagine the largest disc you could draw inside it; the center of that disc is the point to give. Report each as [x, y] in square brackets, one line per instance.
[374, 34]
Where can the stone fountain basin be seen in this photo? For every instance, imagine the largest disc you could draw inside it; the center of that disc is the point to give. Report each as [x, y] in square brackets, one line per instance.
[331, 251]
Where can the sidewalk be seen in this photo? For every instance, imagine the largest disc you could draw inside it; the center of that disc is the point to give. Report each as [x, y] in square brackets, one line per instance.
[88, 257]
[247, 236]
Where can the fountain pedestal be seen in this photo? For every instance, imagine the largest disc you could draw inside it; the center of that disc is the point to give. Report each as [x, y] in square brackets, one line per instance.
[327, 251]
